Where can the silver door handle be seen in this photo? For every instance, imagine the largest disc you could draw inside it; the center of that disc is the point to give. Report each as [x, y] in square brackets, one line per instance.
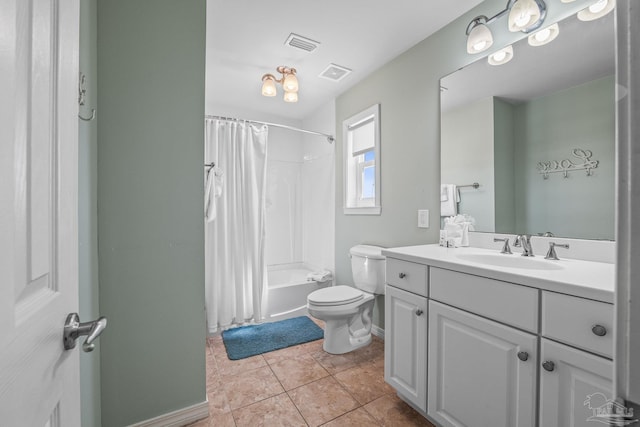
[74, 329]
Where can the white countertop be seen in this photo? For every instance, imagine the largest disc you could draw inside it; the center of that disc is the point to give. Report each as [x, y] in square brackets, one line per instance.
[586, 279]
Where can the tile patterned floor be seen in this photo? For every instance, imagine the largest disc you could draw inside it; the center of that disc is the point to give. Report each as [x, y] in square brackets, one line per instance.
[303, 386]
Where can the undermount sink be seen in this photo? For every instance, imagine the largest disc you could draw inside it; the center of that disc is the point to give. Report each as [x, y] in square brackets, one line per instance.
[510, 261]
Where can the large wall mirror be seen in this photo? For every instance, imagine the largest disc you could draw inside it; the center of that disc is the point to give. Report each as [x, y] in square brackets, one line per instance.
[538, 134]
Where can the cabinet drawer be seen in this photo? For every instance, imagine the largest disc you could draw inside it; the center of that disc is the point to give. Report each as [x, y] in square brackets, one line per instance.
[505, 302]
[574, 321]
[407, 275]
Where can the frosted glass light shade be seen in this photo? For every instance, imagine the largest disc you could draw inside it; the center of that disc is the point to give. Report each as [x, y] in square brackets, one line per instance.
[290, 97]
[290, 83]
[597, 10]
[268, 86]
[502, 56]
[480, 39]
[544, 36]
[523, 14]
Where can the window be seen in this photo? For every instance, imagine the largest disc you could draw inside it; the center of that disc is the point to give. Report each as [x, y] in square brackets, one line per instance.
[362, 162]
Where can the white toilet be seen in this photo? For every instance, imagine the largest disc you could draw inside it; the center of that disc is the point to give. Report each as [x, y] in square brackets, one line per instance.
[341, 307]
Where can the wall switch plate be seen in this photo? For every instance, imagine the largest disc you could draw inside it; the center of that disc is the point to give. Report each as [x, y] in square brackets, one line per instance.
[423, 218]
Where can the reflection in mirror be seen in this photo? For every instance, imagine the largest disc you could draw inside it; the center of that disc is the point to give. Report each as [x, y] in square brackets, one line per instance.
[538, 134]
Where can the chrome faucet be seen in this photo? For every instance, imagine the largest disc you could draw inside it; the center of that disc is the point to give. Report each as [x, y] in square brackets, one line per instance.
[524, 241]
[551, 254]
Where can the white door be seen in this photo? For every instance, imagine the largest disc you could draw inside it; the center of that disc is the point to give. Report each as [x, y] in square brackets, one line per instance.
[39, 380]
[481, 373]
[405, 345]
[573, 384]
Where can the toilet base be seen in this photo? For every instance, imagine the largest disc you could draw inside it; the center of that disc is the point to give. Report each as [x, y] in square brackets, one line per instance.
[338, 340]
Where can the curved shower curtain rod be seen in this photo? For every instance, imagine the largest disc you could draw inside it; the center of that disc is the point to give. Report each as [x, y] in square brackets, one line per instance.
[330, 138]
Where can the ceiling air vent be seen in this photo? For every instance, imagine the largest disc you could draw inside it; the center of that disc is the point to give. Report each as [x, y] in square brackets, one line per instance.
[334, 72]
[303, 43]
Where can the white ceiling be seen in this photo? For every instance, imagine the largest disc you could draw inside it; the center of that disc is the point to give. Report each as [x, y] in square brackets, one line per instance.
[245, 39]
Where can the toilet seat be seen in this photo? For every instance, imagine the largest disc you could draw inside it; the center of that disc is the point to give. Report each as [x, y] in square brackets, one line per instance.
[335, 295]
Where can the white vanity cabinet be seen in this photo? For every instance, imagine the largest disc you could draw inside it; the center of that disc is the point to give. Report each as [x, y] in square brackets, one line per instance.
[481, 373]
[405, 345]
[496, 349]
[573, 383]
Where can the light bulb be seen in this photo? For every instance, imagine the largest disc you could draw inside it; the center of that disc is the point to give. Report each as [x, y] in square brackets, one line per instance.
[290, 82]
[268, 85]
[502, 56]
[544, 36]
[480, 39]
[523, 14]
[290, 97]
[597, 10]
[598, 6]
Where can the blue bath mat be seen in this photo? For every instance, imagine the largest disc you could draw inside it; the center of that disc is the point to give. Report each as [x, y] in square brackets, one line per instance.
[247, 341]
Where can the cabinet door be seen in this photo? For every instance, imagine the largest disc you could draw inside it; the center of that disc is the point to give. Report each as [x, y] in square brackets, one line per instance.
[481, 373]
[574, 384]
[405, 345]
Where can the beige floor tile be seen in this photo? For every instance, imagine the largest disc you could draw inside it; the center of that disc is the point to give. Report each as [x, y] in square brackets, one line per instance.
[276, 356]
[221, 420]
[277, 411]
[217, 396]
[313, 346]
[228, 367]
[322, 401]
[357, 418]
[298, 371]
[335, 363]
[250, 387]
[370, 353]
[365, 382]
[391, 411]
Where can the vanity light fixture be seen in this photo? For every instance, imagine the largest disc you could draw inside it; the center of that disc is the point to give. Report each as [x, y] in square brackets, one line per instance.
[289, 83]
[524, 15]
[544, 36]
[502, 56]
[479, 35]
[597, 10]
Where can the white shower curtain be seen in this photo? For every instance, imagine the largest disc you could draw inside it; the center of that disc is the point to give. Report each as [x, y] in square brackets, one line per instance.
[235, 267]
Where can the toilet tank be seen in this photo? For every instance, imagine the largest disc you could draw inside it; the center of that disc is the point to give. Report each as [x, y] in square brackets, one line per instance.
[368, 267]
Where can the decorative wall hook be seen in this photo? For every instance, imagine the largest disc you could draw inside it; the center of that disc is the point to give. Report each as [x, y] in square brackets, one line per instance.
[82, 93]
[566, 165]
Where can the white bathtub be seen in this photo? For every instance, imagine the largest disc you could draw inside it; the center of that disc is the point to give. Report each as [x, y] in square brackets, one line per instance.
[288, 289]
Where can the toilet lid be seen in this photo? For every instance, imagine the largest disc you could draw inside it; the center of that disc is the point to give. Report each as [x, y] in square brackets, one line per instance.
[335, 295]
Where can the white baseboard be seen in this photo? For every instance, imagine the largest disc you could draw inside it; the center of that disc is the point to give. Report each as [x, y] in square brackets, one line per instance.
[377, 331]
[178, 418]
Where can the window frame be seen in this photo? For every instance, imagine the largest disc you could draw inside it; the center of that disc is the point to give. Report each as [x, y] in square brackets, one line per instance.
[349, 207]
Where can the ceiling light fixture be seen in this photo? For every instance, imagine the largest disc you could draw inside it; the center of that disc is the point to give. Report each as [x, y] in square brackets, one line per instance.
[544, 36]
[597, 10]
[502, 56]
[289, 83]
[524, 15]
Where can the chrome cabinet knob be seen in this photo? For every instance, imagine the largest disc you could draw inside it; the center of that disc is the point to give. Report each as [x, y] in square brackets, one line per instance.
[74, 329]
[523, 355]
[402, 275]
[419, 312]
[599, 330]
[549, 366]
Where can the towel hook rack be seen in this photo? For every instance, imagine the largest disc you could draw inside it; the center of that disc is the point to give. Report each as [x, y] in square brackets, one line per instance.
[82, 93]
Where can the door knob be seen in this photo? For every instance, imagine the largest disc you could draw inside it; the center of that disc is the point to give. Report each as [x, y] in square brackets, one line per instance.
[419, 312]
[549, 366]
[523, 355]
[402, 275]
[74, 329]
[599, 330]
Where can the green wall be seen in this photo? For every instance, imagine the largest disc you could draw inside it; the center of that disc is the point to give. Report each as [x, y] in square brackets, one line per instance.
[88, 213]
[151, 70]
[407, 89]
[550, 128]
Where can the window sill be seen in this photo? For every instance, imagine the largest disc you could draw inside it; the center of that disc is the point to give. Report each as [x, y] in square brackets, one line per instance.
[371, 210]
